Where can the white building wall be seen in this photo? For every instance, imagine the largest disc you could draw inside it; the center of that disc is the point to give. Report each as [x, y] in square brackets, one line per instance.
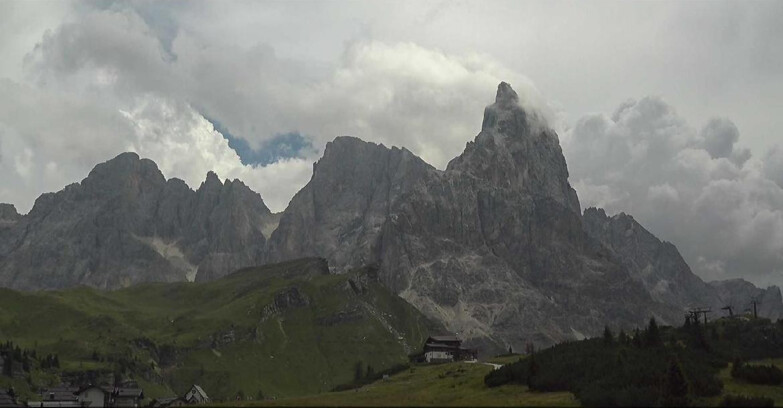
[94, 396]
[438, 355]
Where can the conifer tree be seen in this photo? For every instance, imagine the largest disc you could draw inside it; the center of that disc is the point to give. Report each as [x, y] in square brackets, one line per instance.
[675, 386]
[637, 338]
[736, 367]
[357, 372]
[608, 336]
[370, 372]
[532, 371]
[652, 334]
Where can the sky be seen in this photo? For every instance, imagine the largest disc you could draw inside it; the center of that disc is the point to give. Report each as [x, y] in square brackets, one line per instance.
[668, 111]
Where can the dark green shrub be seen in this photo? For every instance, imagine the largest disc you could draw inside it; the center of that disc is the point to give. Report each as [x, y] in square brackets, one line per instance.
[743, 401]
[759, 374]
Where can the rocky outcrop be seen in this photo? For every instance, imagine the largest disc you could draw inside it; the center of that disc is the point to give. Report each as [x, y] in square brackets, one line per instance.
[659, 266]
[8, 215]
[493, 246]
[656, 264]
[125, 224]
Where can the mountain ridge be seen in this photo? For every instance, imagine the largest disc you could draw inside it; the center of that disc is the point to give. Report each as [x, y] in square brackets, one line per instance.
[125, 217]
[495, 246]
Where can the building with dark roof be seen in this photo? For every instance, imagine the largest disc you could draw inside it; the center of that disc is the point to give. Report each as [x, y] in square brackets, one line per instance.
[90, 396]
[62, 396]
[127, 397]
[196, 395]
[441, 349]
[168, 402]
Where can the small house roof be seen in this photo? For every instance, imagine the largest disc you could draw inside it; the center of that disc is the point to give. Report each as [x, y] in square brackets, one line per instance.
[104, 388]
[129, 392]
[62, 393]
[445, 338]
[197, 388]
[440, 346]
[165, 402]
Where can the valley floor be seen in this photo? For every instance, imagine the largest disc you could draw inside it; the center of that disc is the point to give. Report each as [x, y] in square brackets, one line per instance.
[454, 384]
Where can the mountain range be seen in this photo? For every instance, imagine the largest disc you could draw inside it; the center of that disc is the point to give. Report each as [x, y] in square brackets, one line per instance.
[495, 247]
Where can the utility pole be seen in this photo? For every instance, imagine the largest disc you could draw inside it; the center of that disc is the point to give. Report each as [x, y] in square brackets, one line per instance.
[730, 309]
[755, 302]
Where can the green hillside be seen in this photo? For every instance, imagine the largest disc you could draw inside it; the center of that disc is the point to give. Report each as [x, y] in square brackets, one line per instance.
[454, 384]
[278, 330]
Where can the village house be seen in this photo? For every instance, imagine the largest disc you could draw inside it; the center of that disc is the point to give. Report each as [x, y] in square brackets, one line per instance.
[196, 395]
[441, 349]
[128, 395]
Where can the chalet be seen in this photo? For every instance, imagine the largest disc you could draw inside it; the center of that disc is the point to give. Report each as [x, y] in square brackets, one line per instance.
[196, 395]
[439, 349]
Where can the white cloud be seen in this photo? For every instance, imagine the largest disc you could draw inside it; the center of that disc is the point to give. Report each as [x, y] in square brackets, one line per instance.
[112, 64]
[700, 190]
[186, 145]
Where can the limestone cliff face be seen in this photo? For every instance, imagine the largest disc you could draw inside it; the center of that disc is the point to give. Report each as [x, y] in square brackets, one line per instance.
[656, 264]
[493, 246]
[663, 272]
[125, 224]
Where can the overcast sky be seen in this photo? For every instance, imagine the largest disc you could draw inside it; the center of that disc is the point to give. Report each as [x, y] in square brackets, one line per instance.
[667, 111]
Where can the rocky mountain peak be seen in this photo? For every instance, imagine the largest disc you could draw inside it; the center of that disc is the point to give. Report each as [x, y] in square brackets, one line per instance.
[8, 212]
[513, 152]
[506, 96]
[125, 224]
[125, 174]
[212, 182]
[506, 116]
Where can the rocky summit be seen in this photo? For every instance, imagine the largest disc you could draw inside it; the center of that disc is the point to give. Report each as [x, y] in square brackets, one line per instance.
[125, 224]
[495, 247]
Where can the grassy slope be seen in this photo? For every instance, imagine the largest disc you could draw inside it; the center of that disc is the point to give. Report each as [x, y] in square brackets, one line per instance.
[455, 384]
[287, 354]
[732, 386]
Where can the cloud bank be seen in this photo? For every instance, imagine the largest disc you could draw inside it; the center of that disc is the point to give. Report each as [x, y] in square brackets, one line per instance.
[700, 189]
[120, 86]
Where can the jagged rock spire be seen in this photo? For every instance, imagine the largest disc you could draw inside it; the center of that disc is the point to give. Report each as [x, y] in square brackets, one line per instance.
[506, 96]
